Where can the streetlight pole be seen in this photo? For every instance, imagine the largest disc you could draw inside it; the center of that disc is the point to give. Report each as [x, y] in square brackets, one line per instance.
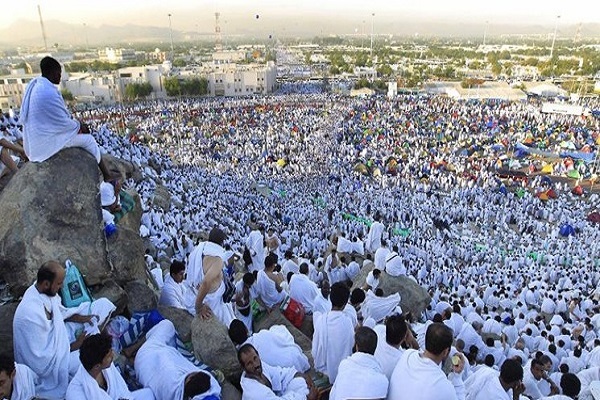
[87, 44]
[487, 23]
[372, 32]
[554, 36]
[171, 36]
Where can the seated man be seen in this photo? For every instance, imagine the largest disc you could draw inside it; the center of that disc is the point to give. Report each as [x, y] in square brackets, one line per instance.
[276, 345]
[243, 298]
[6, 158]
[263, 381]
[268, 285]
[161, 367]
[17, 381]
[172, 293]
[97, 376]
[302, 289]
[47, 124]
[360, 376]
[46, 330]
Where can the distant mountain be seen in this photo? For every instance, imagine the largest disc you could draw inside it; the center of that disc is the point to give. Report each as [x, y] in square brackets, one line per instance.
[28, 33]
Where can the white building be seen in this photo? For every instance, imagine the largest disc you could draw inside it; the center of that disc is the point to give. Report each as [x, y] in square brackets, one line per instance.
[12, 88]
[242, 80]
[116, 55]
[93, 88]
[154, 74]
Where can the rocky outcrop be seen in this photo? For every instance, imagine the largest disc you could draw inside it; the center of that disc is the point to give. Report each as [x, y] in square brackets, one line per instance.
[51, 210]
[414, 298]
[7, 314]
[212, 345]
[140, 298]
[181, 319]
[124, 169]
[113, 292]
[162, 197]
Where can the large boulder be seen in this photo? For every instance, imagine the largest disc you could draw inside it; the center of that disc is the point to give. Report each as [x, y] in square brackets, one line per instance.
[181, 319]
[113, 292]
[140, 298]
[414, 298]
[133, 218]
[162, 197]
[124, 169]
[51, 211]
[126, 255]
[212, 345]
[7, 314]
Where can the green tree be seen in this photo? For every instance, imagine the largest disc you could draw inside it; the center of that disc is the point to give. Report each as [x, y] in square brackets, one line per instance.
[179, 62]
[194, 87]
[496, 68]
[67, 95]
[134, 91]
[385, 70]
[172, 86]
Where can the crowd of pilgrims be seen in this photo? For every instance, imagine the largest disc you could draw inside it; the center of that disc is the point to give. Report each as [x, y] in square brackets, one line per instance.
[499, 272]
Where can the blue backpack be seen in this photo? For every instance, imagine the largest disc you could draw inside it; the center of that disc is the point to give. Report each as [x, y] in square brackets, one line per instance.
[74, 291]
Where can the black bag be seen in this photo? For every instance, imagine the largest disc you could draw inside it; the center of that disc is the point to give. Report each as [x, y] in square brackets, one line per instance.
[247, 257]
[229, 289]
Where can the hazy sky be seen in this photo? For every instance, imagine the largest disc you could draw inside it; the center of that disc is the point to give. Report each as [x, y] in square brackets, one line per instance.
[195, 15]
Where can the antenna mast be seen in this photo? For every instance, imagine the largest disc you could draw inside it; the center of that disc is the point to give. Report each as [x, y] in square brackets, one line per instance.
[43, 29]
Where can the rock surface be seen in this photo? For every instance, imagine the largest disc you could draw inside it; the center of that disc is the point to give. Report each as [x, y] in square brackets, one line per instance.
[181, 319]
[7, 314]
[140, 298]
[113, 292]
[212, 345]
[51, 210]
[162, 197]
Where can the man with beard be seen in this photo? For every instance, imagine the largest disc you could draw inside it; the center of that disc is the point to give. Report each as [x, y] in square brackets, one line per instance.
[44, 339]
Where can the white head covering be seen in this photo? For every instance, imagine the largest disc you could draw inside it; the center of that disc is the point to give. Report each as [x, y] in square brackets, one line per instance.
[107, 194]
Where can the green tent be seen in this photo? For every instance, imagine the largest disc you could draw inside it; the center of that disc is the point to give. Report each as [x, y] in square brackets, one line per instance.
[574, 174]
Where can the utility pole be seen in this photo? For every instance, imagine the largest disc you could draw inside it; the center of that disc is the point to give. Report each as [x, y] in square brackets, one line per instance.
[372, 32]
[487, 23]
[171, 35]
[43, 29]
[554, 36]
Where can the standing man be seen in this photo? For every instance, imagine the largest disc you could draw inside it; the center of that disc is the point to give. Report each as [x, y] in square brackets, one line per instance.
[334, 333]
[47, 124]
[419, 375]
[43, 337]
[375, 235]
[256, 245]
[209, 300]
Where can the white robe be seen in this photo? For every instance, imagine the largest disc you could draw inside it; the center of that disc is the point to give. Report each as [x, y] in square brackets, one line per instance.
[333, 340]
[304, 291]
[43, 344]
[483, 384]
[47, 124]
[24, 382]
[84, 386]
[380, 307]
[276, 347]
[283, 385]
[172, 293]
[359, 377]
[255, 244]
[386, 355]
[373, 241]
[157, 355]
[265, 288]
[417, 377]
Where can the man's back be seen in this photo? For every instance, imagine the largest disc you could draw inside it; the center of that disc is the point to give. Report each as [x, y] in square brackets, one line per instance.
[418, 378]
[332, 341]
[360, 376]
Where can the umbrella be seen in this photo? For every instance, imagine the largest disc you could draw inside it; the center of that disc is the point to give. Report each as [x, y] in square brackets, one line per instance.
[577, 190]
[574, 174]
[594, 217]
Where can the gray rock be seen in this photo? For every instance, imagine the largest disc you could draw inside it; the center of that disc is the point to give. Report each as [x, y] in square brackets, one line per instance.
[118, 166]
[414, 298]
[229, 392]
[51, 211]
[113, 292]
[162, 197]
[181, 319]
[140, 298]
[212, 345]
[133, 218]
[126, 254]
[7, 314]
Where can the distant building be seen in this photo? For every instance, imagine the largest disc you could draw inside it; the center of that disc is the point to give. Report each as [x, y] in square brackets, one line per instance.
[157, 56]
[12, 88]
[93, 88]
[116, 55]
[154, 74]
[242, 80]
[392, 89]
[487, 90]
[225, 57]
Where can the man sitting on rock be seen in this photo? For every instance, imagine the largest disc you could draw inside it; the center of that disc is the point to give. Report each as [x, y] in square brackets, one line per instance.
[17, 381]
[263, 381]
[161, 367]
[47, 124]
[276, 345]
[46, 331]
[172, 293]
